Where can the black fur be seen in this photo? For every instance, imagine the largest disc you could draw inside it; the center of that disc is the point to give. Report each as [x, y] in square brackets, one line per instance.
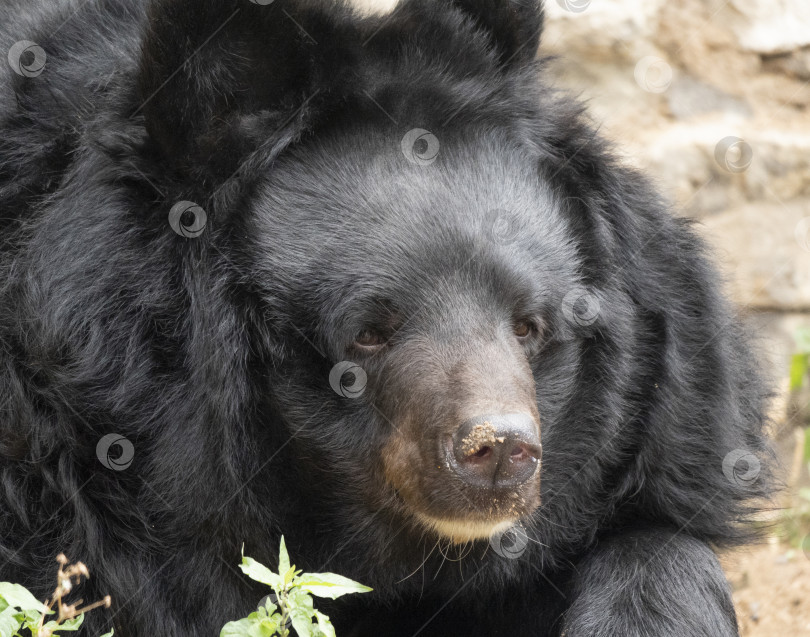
[212, 355]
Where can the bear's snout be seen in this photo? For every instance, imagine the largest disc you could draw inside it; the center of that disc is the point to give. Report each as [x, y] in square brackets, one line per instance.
[495, 452]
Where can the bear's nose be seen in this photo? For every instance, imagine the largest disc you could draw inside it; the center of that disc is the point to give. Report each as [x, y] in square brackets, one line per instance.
[497, 451]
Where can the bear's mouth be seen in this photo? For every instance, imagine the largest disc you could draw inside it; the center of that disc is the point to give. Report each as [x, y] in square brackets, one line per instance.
[461, 531]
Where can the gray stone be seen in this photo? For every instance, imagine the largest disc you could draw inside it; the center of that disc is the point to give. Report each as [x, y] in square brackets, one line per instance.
[688, 97]
[769, 26]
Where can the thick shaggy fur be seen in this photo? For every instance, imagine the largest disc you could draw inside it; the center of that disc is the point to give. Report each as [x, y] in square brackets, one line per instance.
[212, 355]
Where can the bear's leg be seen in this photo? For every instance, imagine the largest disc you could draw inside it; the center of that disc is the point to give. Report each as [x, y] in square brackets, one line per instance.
[650, 584]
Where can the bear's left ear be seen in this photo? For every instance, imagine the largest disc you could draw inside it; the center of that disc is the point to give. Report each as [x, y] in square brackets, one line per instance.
[219, 78]
[515, 25]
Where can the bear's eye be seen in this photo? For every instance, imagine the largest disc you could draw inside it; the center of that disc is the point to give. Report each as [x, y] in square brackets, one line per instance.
[524, 329]
[369, 339]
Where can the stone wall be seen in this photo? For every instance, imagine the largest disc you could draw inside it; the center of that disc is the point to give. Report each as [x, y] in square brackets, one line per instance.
[711, 98]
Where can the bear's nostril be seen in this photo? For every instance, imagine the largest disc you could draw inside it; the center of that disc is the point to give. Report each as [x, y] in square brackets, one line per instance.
[483, 452]
[500, 451]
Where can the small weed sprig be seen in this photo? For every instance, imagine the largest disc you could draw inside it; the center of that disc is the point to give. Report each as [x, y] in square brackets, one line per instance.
[292, 604]
[21, 611]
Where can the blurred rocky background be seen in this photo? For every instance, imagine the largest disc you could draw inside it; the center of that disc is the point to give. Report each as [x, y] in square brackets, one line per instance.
[712, 99]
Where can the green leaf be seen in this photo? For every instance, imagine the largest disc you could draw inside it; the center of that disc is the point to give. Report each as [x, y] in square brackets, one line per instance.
[10, 620]
[283, 558]
[324, 624]
[299, 599]
[804, 492]
[268, 609]
[19, 597]
[302, 622]
[288, 576]
[259, 572]
[109, 634]
[328, 585]
[798, 370]
[68, 624]
[250, 626]
[31, 620]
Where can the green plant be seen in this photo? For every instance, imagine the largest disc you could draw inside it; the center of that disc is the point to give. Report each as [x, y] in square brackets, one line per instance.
[293, 604]
[795, 518]
[800, 361]
[21, 611]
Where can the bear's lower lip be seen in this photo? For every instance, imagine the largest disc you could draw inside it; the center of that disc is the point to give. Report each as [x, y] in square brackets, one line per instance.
[459, 530]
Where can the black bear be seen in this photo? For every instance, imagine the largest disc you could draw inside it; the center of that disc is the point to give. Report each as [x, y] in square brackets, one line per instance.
[276, 267]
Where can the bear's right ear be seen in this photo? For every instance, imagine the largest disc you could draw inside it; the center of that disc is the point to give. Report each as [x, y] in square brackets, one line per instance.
[514, 26]
[219, 78]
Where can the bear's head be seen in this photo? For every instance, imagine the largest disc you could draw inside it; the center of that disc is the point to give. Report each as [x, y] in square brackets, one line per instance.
[402, 261]
[396, 226]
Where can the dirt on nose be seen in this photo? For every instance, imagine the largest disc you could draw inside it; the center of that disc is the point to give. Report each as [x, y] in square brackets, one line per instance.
[481, 435]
